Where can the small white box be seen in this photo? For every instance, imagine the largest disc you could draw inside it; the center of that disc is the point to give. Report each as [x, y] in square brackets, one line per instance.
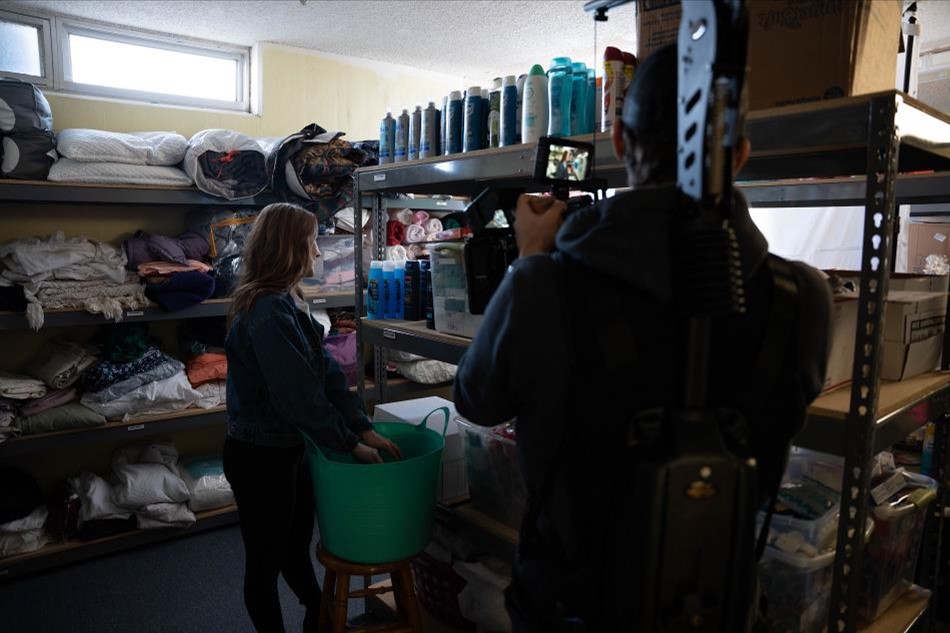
[453, 482]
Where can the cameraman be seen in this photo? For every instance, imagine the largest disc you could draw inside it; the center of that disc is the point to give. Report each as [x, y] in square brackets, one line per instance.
[581, 334]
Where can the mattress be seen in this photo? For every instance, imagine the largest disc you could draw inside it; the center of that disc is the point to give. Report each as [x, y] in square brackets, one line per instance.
[139, 148]
[69, 170]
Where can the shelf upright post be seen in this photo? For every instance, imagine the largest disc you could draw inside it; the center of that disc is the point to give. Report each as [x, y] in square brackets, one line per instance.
[358, 281]
[379, 243]
[882, 153]
[931, 555]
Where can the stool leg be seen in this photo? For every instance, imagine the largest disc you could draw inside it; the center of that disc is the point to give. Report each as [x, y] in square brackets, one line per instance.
[410, 604]
[326, 599]
[340, 603]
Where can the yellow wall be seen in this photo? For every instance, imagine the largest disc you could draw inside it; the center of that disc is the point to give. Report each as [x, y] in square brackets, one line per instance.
[299, 87]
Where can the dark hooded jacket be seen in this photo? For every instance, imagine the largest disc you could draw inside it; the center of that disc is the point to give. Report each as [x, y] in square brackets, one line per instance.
[549, 334]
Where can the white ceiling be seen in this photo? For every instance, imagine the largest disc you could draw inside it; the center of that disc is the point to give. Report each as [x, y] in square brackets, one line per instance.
[459, 38]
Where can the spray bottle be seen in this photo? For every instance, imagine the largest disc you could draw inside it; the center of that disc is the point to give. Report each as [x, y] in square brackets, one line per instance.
[534, 106]
[429, 143]
[387, 138]
[560, 87]
[473, 131]
[494, 113]
[415, 133]
[402, 137]
[521, 79]
[454, 124]
[509, 111]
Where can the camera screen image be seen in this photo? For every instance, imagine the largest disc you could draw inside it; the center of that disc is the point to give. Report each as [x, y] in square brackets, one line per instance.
[567, 163]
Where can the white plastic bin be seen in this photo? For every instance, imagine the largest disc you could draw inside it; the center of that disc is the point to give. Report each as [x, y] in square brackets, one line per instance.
[890, 561]
[798, 588]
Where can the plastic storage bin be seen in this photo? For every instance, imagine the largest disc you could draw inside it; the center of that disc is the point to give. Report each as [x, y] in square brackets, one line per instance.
[806, 478]
[494, 480]
[798, 588]
[890, 561]
[335, 269]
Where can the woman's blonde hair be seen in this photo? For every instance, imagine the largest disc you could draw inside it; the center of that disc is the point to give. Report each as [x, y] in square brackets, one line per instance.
[277, 254]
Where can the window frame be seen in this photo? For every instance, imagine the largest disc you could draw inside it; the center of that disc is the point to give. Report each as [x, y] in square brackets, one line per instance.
[45, 26]
[57, 61]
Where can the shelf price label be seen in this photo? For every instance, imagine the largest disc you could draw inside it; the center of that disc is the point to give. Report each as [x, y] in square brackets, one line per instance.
[379, 177]
[318, 301]
[135, 427]
[134, 313]
[390, 334]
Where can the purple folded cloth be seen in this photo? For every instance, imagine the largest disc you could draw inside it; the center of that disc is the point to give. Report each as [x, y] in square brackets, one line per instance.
[53, 398]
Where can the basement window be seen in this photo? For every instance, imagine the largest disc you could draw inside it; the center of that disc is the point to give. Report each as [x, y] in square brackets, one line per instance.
[25, 51]
[76, 57]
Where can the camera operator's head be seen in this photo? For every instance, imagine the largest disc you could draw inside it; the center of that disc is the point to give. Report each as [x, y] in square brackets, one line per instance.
[646, 141]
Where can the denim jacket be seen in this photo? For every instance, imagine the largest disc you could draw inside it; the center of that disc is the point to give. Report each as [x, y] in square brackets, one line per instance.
[281, 382]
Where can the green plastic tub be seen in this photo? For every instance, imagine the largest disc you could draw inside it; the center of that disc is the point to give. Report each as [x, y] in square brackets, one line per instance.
[379, 513]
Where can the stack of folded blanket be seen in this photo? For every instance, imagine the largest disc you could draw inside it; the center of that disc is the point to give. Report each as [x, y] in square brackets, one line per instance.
[56, 272]
[149, 483]
[15, 389]
[174, 268]
[141, 158]
[201, 341]
[22, 513]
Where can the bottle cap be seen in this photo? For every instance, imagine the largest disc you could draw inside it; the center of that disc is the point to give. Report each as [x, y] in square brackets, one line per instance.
[405, 111]
[536, 70]
[630, 58]
[579, 67]
[418, 107]
[485, 93]
[561, 61]
[388, 267]
[431, 104]
[613, 54]
[475, 90]
[510, 80]
[496, 83]
[455, 95]
[376, 264]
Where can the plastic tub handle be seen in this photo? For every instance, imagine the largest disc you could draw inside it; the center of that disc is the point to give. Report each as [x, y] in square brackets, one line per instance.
[445, 427]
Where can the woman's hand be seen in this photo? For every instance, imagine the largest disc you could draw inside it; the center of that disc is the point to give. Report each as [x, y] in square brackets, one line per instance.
[377, 441]
[366, 454]
[537, 221]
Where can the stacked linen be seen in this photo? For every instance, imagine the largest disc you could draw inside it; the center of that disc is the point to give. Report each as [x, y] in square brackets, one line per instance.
[152, 384]
[208, 487]
[202, 342]
[174, 268]
[149, 483]
[14, 391]
[59, 364]
[22, 513]
[98, 516]
[56, 273]
[142, 158]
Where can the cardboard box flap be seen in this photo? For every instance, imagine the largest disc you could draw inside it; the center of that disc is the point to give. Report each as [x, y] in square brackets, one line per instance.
[904, 361]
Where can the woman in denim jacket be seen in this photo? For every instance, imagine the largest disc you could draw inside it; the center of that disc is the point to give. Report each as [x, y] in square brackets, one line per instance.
[282, 383]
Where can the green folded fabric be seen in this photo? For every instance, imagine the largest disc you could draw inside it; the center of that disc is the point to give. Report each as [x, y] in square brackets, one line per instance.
[68, 416]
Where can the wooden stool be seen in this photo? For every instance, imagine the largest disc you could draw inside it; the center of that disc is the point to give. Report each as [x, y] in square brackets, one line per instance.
[337, 594]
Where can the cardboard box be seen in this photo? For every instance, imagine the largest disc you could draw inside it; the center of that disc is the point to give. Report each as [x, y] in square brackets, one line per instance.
[800, 50]
[453, 482]
[844, 324]
[925, 239]
[658, 24]
[450, 292]
[809, 50]
[914, 322]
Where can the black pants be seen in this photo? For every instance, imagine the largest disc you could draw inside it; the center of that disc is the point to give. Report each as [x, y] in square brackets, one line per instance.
[274, 495]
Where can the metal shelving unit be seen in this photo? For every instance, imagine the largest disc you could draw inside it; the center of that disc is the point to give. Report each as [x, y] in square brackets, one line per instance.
[163, 199]
[842, 152]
